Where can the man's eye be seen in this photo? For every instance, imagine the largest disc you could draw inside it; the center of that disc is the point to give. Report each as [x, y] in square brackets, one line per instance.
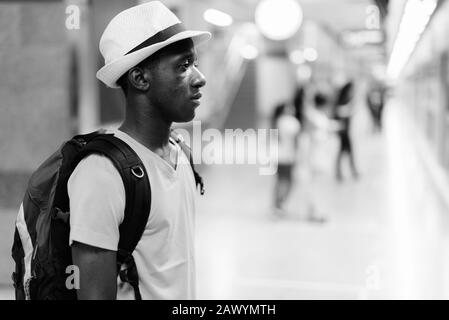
[185, 65]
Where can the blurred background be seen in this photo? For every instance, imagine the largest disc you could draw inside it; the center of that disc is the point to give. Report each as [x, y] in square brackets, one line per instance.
[368, 221]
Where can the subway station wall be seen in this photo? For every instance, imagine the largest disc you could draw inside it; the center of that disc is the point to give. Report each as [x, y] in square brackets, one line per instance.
[424, 86]
[34, 90]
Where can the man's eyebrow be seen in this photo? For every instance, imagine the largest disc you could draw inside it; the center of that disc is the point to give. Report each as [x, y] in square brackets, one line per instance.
[187, 55]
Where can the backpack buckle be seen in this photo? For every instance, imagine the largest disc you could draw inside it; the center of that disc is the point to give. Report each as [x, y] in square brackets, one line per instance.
[137, 171]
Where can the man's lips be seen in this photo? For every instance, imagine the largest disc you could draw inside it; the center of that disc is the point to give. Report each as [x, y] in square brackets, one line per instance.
[196, 96]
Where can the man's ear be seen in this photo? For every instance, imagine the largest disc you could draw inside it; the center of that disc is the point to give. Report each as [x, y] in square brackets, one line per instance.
[139, 79]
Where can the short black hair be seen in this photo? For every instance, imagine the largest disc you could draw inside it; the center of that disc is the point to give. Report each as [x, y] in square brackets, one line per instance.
[123, 83]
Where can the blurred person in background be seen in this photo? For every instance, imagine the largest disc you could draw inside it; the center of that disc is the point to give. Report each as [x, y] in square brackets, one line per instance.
[299, 100]
[343, 112]
[316, 127]
[320, 126]
[285, 121]
[375, 99]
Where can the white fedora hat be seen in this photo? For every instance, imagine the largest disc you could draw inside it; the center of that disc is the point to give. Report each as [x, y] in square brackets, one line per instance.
[135, 34]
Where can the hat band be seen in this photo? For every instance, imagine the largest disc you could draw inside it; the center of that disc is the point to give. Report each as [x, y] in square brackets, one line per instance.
[161, 36]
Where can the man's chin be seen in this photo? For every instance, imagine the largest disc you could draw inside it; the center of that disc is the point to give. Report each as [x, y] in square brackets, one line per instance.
[186, 118]
[192, 117]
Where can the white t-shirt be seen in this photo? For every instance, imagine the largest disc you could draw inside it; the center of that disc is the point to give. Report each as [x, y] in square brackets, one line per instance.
[289, 129]
[164, 256]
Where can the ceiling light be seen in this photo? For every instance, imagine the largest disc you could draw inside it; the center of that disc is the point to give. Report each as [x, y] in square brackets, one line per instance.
[414, 20]
[278, 19]
[217, 17]
[297, 57]
[310, 54]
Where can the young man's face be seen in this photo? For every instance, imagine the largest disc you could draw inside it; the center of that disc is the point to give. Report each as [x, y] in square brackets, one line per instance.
[176, 81]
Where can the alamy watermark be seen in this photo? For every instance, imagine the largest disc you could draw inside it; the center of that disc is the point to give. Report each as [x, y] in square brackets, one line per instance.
[73, 279]
[72, 21]
[234, 146]
[373, 278]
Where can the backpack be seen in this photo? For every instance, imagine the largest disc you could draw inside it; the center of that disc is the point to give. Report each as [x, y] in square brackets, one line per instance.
[41, 248]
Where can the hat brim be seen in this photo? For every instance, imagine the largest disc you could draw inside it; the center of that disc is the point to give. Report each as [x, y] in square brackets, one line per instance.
[111, 72]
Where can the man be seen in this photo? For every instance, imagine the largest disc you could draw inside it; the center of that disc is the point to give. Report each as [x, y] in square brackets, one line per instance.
[375, 100]
[343, 112]
[152, 58]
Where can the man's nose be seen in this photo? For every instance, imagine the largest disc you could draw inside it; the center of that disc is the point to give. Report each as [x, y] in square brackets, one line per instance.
[199, 80]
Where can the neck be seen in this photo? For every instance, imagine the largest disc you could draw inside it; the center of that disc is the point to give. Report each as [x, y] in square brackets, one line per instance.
[145, 123]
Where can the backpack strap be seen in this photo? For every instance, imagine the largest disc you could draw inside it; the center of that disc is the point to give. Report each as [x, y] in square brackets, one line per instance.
[188, 152]
[138, 199]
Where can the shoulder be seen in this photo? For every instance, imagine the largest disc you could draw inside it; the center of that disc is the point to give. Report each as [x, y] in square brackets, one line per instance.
[96, 172]
[96, 164]
[97, 203]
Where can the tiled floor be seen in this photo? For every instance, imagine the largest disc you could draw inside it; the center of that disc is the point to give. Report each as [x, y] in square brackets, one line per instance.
[386, 235]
